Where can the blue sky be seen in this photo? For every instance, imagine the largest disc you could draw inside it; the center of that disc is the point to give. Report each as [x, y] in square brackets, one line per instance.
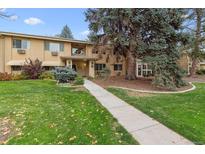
[45, 21]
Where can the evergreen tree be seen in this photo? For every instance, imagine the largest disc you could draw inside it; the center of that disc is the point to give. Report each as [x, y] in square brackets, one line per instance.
[149, 34]
[5, 15]
[66, 33]
[161, 36]
[119, 27]
[92, 37]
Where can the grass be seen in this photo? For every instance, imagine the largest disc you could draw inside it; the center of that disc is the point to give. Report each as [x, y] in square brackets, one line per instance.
[184, 113]
[40, 112]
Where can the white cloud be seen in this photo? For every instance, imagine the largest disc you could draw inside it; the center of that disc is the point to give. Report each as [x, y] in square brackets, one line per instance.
[33, 21]
[85, 33]
[13, 17]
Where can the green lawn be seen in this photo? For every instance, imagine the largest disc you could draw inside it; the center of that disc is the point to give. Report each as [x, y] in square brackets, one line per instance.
[184, 113]
[39, 112]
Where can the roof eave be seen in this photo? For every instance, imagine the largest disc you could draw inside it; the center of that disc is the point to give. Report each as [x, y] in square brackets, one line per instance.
[44, 37]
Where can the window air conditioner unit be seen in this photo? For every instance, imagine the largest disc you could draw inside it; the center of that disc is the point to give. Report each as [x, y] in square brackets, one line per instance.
[21, 51]
[54, 53]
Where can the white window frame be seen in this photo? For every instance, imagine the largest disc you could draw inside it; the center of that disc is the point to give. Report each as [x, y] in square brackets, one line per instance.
[22, 42]
[55, 46]
[146, 70]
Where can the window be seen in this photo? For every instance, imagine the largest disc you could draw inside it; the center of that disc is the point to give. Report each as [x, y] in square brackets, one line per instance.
[99, 67]
[52, 46]
[143, 70]
[21, 44]
[48, 68]
[118, 67]
[16, 68]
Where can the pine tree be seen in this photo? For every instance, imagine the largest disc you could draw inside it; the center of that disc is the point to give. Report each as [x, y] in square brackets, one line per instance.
[161, 36]
[4, 15]
[149, 34]
[117, 25]
[66, 33]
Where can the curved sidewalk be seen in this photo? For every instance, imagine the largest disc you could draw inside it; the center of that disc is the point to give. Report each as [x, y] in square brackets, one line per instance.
[143, 128]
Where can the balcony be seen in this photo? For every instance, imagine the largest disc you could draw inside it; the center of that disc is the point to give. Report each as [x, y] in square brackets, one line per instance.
[78, 52]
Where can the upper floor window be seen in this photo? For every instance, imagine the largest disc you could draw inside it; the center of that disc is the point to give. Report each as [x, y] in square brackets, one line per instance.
[118, 67]
[52, 46]
[78, 51]
[21, 44]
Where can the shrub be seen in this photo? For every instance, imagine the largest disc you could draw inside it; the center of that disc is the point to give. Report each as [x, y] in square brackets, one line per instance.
[32, 69]
[21, 76]
[5, 76]
[47, 75]
[64, 74]
[105, 73]
[79, 80]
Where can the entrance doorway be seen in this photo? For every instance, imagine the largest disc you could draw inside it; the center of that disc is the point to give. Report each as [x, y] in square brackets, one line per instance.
[81, 67]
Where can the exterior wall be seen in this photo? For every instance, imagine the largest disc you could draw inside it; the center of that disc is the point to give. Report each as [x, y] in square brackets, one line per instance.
[110, 59]
[2, 63]
[89, 50]
[92, 69]
[7, 53]
[49, 57]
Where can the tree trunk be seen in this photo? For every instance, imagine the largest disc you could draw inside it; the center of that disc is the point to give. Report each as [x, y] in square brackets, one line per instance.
[193, 68]
[196, 51]
[131, 66]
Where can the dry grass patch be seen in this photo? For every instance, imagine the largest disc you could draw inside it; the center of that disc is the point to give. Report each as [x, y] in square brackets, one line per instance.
[81, 88]
[138, 94]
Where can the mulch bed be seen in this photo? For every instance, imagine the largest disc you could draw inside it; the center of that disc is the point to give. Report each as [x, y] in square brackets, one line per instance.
[139, 84]
[197, 78]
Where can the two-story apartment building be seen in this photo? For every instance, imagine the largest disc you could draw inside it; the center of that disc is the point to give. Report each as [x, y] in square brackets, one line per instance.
[77, 54]
[55, 51]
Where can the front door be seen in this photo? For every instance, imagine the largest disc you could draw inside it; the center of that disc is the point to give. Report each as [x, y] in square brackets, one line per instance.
[74, 67]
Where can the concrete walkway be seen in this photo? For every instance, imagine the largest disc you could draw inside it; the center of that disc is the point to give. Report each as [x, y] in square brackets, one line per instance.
[143, 128]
